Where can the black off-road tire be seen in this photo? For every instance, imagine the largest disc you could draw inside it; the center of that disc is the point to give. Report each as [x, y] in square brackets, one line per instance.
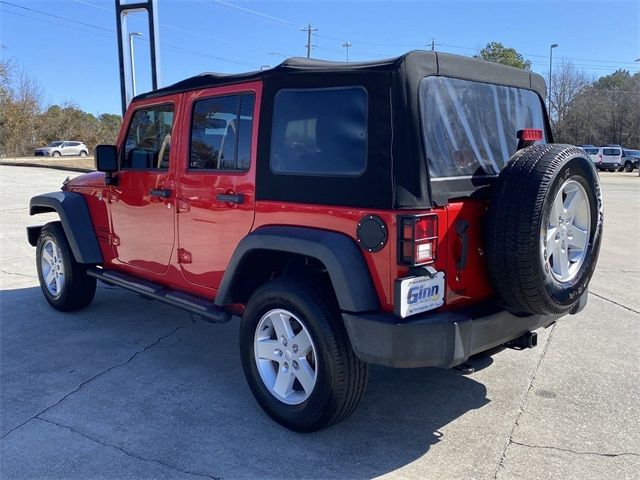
[79, 288]
[341, 375]
[517, 222]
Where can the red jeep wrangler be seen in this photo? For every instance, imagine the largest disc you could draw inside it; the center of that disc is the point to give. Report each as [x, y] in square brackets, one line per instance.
[408, 212]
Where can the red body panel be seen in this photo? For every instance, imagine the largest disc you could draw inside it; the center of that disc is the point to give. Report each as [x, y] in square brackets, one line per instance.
[209, 230]
[186, 241]
[470, 284]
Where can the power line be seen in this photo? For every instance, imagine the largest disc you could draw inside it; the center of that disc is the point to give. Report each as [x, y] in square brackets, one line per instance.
[250, 11]
[181, 30]
[56, 16]
[111, 31]
[393, 45]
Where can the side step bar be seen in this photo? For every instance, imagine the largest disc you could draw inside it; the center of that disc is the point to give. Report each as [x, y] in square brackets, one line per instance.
[196, 305]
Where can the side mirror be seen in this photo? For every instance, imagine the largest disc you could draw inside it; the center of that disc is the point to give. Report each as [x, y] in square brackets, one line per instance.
[106, 158]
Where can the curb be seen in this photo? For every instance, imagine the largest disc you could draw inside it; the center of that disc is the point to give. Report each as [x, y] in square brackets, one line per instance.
[55, 167]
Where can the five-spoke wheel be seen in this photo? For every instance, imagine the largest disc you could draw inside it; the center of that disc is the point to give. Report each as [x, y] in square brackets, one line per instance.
[285, 356]
[297, 357]
[63, 280]
[52, 267]
[567, 232]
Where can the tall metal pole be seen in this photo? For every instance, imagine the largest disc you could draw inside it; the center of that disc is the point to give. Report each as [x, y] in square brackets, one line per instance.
[133, 62]
[347, 45]
[150, 7]
[553, 45]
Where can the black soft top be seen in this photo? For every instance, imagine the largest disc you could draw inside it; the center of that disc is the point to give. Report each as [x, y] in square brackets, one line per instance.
[397, 175]
[416, 64]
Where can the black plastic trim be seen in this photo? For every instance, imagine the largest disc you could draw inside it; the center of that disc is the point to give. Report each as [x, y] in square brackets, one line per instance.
[202, 307]
[443, 339]
[337, 252]
[76, 222]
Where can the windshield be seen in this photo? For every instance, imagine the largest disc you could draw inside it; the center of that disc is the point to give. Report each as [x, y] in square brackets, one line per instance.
[470, 127]
[54, 144]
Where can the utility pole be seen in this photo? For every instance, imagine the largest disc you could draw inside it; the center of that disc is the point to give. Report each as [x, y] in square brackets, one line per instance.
[347, 45]
[309, 30]
[433, 44]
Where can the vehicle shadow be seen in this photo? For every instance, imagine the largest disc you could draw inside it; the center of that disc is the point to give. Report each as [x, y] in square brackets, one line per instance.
[183, 400]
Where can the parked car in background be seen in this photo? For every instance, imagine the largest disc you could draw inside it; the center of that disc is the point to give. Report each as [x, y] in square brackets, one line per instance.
[592, 151]
[63, 147]
[609, 158]
[630, 160]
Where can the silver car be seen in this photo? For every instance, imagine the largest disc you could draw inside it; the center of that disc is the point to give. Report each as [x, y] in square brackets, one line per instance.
[63, 147]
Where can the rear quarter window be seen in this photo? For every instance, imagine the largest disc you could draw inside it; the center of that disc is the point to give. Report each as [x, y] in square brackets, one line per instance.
[470, 128]
[319, 132]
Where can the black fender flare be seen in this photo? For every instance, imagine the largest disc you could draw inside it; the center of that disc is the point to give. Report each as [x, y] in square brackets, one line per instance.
[340, 255]
[74, 215]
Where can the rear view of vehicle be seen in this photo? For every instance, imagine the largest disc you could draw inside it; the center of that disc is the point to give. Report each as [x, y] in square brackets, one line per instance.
[408, 212]
[510, 238]
[609, 158]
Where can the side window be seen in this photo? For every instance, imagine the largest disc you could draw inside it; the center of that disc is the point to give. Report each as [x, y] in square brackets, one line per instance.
[221, 133]
[320, 132]
[148, 141]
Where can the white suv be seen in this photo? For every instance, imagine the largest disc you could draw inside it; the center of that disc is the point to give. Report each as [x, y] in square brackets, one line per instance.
[608, 158]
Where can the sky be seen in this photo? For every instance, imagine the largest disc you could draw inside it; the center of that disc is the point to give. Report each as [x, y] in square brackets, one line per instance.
[70, 46]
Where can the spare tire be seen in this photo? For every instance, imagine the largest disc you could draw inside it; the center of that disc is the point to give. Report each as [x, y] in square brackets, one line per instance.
[544, 229]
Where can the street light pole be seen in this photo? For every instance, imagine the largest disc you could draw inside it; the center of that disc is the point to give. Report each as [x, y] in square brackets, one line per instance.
[553, 45]
[347, 45]
[133, 63]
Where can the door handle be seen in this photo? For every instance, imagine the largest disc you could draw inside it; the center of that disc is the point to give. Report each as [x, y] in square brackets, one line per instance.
[160, 192]
[231, 198]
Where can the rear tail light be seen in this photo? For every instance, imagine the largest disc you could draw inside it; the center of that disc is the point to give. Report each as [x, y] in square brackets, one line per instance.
[599, 157]
[527, 137]
[418, 239]
[530, 134]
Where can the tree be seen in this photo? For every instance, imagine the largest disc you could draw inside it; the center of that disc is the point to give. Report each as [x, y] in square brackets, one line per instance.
[25, 124]
[567, 83]
[496, 52]
[20, 103]
[604, 111]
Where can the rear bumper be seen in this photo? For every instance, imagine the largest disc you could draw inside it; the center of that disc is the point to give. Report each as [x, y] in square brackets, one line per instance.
[442, 339]
[606, 166]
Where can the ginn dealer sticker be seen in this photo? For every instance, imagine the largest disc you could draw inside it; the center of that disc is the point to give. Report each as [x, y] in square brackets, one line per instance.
[419, 294]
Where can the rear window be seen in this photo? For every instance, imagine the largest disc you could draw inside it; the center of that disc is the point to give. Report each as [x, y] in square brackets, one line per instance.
[611, 151]
[320, 132]
[470, 127]
[591, 151]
